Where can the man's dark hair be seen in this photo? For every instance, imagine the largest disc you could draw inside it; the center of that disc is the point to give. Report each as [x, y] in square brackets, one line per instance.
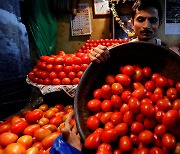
[143, 4]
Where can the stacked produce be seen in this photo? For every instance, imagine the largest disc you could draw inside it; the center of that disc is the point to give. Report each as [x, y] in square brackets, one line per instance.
[33, 131]
[135, 111]
[66, 69]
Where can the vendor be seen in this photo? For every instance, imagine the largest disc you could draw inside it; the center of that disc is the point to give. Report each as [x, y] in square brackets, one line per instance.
[146, 21]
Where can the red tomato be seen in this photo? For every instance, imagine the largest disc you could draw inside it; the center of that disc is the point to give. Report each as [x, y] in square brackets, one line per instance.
[172, 93]
[71, 75]
[99, 130]
[109, 136]
[134, 138]
[164, 105]
[116, 101]
[77, 60]
[159, 115]
[123, 79]
[76, 68]
[38, 145]
[33, 116]
[121, 129]
[97, 94]
[30, 129]
[84, 67]
[44, 74]
[128, 118]
[62, 75]
[160, 130]
[139, 93]
[43, 121]
[125, 144]
[149, 123]
[116, 151]
[15, 148]
[68, 61]
[150, 85]
[156, 96]
[93, 123]
[176, 104]
[94, 105]
[147, 71]
[93, 141]
[75, 81]
[137, 85]
[106, 106]
[80, 74]
[156, 150]
[137, 127]
[58, 60]
[169, 141]
[104, 147]
[125, 96]
[19, 127]
[138, 75]
[50, 60]
[47, 81]
[58, 68]
[5, 127]
[116, 118]
[108, 125]
[99, 114]
[56, 121]
[171, 118]
[147, 109]
[49, 67]
[124, 108]
[7, 138]
[139, 117]
[161, 82]
[110, 79]
[106, 91]
[117, 88]
[48, 140]
[143, 150]
[178, 87]
[68, 69]
[134, 105]
[128, 70]
[26, 141]
[60, 107]
[146, 137]
[56, 81]
[106, 117]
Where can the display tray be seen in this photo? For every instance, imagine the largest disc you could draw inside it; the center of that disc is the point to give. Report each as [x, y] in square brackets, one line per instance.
[160, 59]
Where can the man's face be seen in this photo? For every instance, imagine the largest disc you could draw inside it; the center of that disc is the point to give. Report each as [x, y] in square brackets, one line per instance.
[146, 24]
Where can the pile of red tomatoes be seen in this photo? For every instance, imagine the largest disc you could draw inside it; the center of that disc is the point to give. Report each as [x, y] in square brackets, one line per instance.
[33, 131]
[66, 69]
[135, 111]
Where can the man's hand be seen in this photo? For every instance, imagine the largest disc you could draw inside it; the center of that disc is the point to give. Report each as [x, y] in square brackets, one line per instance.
[99, 54]
[71, 135]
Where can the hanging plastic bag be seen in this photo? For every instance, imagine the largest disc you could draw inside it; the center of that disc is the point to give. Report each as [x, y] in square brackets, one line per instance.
[60, 146]
[42, 23]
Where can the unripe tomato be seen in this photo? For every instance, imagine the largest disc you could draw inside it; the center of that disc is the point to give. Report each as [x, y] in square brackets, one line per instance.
[25, 140]
[14, 148]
